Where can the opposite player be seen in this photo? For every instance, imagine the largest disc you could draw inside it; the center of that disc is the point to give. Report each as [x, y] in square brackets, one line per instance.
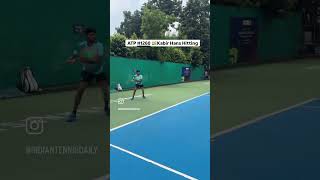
[90, 53]
[139, 85]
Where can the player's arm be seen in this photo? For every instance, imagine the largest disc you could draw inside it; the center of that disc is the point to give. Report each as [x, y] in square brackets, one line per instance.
[134, 79]
[100, 55]
[87, 60]
[78, 57]
[73, 59]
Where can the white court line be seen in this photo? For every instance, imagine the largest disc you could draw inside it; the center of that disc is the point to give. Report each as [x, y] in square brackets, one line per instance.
[128, 98]
[154, 163]
[13, 124]
[129, 109]
[144, 117]
[152, 115]
[259, 119]
[46, 118]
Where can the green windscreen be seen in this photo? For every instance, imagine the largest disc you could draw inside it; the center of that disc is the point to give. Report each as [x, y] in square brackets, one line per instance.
[40, 34]
[155, 73]
[278, 37]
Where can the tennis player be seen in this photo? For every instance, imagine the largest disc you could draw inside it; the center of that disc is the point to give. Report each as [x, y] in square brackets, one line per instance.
[90, 54]
[139, 85]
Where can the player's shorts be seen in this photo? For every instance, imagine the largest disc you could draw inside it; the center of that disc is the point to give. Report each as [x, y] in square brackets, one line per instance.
[139, 86]
[88, 77]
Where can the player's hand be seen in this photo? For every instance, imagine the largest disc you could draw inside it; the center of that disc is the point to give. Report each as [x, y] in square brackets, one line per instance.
[71, 60]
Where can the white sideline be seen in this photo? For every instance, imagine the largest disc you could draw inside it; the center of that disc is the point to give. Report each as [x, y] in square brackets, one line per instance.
[139, 119]
[154, 163]
[145, 159]
[261, 118]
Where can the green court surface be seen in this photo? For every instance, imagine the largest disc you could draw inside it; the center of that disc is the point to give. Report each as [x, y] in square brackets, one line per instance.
[89, 133]
[124, 110]
[245, 93]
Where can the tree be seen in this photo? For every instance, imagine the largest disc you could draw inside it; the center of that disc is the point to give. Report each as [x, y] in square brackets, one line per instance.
[117, 45]
[131, 24]
[170, 7]
[155, 23]
[195, 24]
[136, 52]
[173, 54]
[197, 57]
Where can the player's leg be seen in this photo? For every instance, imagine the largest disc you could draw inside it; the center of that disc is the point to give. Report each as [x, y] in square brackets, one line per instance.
[84, 83]
[82, 87]
[142, 88]
[134, 92]
[105, 91]
[104, 85]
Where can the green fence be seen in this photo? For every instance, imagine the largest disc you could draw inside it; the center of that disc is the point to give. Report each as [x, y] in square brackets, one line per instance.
[39, 34]
[278, 38]
[155, 73]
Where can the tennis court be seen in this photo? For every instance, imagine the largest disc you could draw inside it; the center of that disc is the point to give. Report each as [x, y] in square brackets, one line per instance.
[282, 145]
[19, 161]
[273, 129]
[164, 136]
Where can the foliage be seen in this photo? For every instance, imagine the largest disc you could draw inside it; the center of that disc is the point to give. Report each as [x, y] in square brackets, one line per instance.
[196, 56]
[173, 54]
[155, 23]
[169, 7]
[117, 45]
[131, 24]
[195, 24]
[152, 21]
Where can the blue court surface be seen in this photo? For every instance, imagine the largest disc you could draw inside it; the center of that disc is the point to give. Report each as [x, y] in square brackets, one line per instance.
[172, 144]
[282, 146]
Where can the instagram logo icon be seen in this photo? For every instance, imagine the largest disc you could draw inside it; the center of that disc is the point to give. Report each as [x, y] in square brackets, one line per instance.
[34, 126]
